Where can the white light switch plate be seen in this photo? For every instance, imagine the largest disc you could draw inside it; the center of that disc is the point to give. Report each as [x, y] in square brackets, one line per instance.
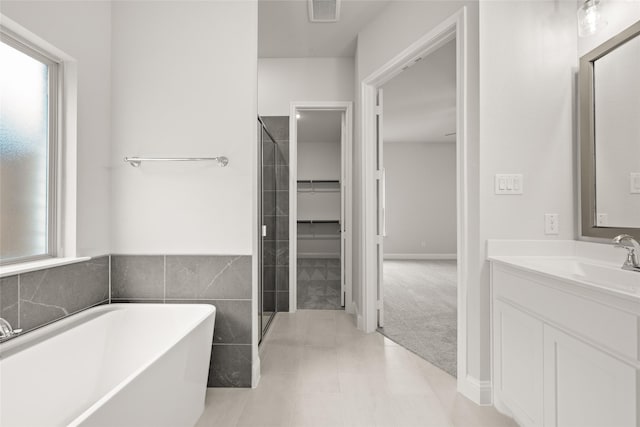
[508, 183]
[551, 225]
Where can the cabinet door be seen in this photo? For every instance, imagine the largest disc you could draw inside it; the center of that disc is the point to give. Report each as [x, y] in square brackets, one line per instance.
[518, 358]
[585, 386]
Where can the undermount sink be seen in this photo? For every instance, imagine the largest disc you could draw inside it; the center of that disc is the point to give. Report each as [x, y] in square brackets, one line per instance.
[581, 270]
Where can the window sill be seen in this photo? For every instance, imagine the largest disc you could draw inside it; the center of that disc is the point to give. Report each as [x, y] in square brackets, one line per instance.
[25, 267]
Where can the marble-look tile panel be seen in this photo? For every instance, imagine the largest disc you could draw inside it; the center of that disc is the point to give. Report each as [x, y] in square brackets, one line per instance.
[277, 126]
[136, 300]
[269, 203]
[282, 203]
[54, 293]
[269, 253]
[269, 278]
[282, 252]
[270, 222]
[282, 228]
[233, 320]
[282, 278]
[230, 366]
[269, 301]
[268, 152]
[283, 301]
[282, 155]
[208, 277]
[282, 178]
[9, 300]
[137, 276]
[268, 178]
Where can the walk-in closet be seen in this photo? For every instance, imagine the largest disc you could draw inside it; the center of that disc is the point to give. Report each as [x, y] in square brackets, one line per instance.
[319, 210]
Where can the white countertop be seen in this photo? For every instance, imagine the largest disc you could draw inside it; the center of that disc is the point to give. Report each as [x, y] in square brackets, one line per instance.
[592, 265]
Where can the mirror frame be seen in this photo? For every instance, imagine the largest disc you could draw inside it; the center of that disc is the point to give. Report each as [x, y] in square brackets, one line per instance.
[588, 227]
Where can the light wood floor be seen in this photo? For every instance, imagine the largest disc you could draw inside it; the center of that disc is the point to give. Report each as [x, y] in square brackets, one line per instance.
[319, 370]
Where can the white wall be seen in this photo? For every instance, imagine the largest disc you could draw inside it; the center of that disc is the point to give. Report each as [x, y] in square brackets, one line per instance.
[527, 114]
[319, 160]
[184, 84]
[421, 198]
[83, 31]
[283, 80]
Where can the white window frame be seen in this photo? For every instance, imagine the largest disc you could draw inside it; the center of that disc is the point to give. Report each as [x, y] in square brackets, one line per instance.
[55, 87]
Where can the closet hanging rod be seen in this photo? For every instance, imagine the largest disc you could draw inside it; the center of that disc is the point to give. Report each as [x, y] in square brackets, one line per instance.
[318, 221]
[326, 181]
[137, 161]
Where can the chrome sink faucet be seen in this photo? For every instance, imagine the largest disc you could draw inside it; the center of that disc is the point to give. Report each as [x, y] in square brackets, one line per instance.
[6, 331]
[632, 263]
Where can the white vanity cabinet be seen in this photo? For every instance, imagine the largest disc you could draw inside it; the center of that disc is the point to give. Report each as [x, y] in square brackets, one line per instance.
[563, 354]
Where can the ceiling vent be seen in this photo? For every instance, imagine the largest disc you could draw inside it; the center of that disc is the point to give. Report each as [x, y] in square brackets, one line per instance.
[324, 10]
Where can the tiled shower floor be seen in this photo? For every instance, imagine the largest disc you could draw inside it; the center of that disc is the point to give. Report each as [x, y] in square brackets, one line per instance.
[319, 283]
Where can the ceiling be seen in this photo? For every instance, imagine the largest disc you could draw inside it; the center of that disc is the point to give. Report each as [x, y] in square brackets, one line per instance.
[419, 104]
[319, 126]
[284, 30]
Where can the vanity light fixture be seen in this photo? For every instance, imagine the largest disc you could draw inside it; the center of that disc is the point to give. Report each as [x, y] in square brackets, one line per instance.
[589, 18]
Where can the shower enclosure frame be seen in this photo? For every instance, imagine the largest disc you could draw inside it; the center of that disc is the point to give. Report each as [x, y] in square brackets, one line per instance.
[262, 327]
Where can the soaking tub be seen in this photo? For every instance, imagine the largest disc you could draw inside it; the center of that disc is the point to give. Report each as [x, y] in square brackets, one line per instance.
[112, 365]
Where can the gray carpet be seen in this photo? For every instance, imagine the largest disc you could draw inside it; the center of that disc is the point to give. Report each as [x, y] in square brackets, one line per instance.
[420, 309]
[319, 284]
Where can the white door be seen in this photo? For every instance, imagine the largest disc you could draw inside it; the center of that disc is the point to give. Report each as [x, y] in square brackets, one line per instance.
[380, 191]
[343, 204]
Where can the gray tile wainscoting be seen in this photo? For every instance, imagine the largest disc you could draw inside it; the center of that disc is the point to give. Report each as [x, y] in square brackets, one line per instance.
[34, 299]
[224, 281]
[278, 127]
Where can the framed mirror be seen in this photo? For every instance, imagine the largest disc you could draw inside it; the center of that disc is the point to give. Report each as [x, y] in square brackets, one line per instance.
[609, 84]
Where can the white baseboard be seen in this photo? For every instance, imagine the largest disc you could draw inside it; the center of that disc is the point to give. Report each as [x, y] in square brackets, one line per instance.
[352, 309]
[420, 256]
[359, 320]
[255, 372]
[479, 392]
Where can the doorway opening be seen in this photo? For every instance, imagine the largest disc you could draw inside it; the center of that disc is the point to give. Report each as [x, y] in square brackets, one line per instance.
[373, 219]
[417, 153]
[320, 207]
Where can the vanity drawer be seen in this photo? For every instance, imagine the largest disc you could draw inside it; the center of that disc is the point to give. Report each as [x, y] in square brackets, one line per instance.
[607, 327]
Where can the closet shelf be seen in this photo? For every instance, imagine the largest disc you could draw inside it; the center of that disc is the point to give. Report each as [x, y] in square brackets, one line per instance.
[318, 186]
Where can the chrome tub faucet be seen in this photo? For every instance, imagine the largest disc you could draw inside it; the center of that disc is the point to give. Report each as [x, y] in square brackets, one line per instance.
[632, 263]
[6, 331]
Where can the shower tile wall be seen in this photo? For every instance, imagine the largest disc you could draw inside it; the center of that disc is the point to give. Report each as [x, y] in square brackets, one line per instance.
[224, 281]
[278, 127]
[34, 299]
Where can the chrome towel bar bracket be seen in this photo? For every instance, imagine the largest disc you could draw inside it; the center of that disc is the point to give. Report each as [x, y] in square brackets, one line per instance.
[137, 161]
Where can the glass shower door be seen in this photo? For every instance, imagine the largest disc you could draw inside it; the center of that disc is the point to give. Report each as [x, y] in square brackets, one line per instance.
[267, 297]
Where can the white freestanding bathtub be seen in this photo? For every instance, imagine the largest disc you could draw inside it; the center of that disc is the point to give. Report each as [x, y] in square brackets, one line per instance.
[113, 365]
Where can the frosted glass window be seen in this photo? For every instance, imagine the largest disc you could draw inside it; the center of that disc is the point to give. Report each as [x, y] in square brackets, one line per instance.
[26, 202]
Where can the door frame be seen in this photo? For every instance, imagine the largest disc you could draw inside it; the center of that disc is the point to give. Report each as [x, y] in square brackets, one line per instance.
[347, 161]
[454, 27]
